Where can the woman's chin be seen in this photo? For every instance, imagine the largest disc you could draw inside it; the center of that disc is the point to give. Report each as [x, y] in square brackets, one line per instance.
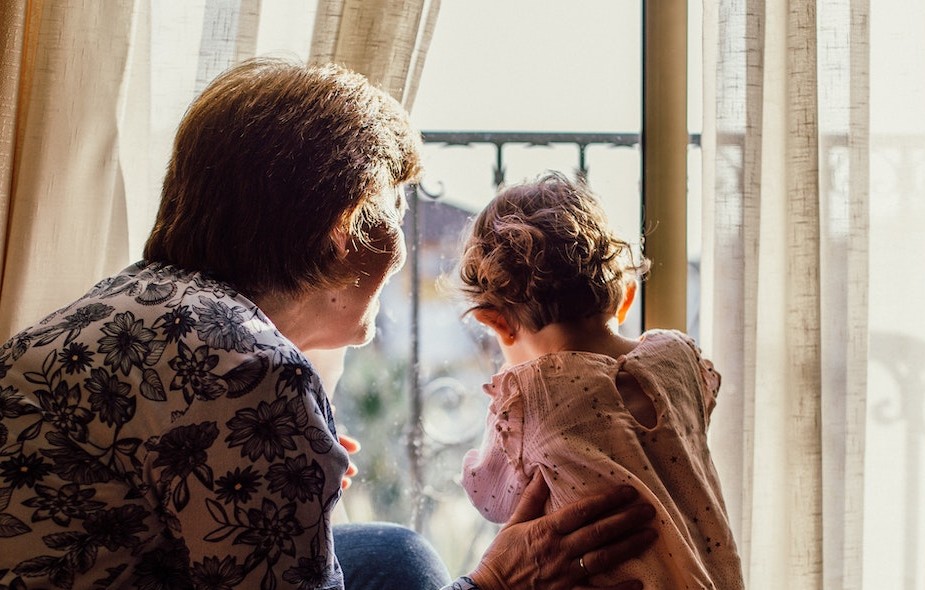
[366, 333]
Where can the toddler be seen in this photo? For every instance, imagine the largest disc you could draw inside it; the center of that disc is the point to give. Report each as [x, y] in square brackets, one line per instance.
[584, 406]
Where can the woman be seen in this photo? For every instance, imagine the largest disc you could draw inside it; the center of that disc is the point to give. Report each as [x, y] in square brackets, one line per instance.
[166, 431]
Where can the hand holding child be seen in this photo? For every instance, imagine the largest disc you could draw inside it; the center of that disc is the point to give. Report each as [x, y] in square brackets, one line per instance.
[563, 549]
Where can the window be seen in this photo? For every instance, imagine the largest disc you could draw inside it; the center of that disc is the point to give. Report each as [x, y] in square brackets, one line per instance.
[498, 77]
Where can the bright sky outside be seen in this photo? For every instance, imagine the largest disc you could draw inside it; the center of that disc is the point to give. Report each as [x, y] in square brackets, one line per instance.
[528, 66]
[522, 65]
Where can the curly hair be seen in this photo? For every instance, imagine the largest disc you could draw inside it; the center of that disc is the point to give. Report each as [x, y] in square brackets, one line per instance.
[541, 253]
[269, 162]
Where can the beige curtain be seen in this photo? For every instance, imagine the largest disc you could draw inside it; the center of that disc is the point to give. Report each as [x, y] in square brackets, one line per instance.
[91, 93]
[819, 435]
[63, 191]
[12, 31]
[386, 40]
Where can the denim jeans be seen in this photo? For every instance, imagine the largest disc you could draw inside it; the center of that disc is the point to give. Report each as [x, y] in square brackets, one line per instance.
[385, 556]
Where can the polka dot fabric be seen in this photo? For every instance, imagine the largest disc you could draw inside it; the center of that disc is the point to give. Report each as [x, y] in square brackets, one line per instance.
[563, 414]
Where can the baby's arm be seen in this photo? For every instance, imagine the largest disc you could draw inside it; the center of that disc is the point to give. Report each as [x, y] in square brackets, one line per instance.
[493, 476]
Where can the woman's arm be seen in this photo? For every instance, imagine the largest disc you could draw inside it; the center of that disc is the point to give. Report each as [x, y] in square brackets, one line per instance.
[561, 550]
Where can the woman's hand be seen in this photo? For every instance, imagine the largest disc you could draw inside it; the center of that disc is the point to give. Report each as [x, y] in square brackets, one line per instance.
[352, 445]
[561, 550]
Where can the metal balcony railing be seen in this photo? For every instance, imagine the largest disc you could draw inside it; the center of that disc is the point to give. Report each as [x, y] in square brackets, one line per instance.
[416, 443]
[428, 411]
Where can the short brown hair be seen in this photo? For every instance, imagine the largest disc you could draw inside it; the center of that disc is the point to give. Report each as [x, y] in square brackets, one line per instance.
[268, 162]
[542, 253]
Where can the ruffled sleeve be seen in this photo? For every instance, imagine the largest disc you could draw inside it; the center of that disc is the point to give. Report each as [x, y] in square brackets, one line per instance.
[493, 476]
[711, 379]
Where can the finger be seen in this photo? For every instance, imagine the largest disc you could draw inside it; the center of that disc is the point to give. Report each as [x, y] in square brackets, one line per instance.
[582, 512]
[605, 558]
[611, 528]
[348, 442]
[352, 469]
[632, 545]
[532, 502]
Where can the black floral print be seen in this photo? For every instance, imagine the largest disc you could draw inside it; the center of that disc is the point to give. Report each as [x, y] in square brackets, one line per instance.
[125, 343]
[193, 373]
[295, 478]
[296, 376]
[62, 504]
[182, 452]
[109, 397]
[116, 527]
[305, 575]
[238, 486]
[176, 323]
[160, 433]
[272, 530]
[71, 325]
[11, 404]
[215, 574]
[62, 408]
[75, 357]
[265, 430]
[221, 326]
[164, 568]
[71, 462]
[24, 470]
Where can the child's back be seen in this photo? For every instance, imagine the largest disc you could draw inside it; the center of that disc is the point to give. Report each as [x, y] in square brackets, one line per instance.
[564, 414]
[578, 402]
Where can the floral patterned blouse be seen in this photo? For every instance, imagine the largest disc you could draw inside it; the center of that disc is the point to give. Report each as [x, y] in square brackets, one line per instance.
[161, 433]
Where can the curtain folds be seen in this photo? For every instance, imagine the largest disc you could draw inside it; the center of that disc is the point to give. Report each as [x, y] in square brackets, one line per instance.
[66, 216]
[91, 93]
[385, 40]
[787, 215]
[12, 31]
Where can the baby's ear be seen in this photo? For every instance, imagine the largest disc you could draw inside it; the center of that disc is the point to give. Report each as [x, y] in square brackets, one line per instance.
[629, 295]
[496, 321]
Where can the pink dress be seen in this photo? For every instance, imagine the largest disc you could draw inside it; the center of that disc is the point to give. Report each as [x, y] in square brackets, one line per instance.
[563, 415]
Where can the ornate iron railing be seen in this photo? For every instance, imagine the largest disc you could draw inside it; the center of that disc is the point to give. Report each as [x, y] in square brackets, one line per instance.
[423, 388]
[419, 448]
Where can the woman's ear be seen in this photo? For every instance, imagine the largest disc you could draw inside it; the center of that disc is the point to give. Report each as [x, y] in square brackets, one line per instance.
[496, 321]
[340, 237]
[628, 296]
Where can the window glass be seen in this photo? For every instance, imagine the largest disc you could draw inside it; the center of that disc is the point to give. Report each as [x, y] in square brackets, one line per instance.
[512, 66]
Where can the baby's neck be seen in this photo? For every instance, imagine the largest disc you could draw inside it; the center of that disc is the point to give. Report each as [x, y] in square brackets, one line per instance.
[598, 334]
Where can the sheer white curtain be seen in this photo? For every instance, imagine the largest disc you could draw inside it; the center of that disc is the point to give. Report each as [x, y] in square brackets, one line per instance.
[819, 435]
[63, 190]
[91, 93]
[12, 29]
[386, 40]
